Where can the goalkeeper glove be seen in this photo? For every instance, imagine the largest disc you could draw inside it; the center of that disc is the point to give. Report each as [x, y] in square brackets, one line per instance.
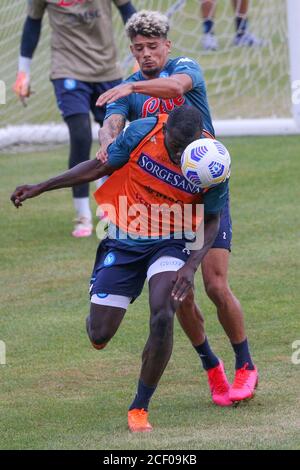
[22, 84]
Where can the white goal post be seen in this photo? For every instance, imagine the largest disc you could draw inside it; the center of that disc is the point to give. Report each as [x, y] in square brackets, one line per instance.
[251, 90]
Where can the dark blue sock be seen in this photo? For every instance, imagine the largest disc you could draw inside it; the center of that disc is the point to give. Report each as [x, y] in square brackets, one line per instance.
[208, 26]
[143, 396]
[241, 25]
[208, 358]
[242, 355]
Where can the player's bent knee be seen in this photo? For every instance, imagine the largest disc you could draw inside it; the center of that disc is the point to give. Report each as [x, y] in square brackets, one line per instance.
[101, 332]
[98, 346]
[105, 317]
[99, 337]
[218, 291]
[161, 323]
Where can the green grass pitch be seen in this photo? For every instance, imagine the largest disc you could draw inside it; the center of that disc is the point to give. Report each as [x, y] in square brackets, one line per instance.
[57, 392]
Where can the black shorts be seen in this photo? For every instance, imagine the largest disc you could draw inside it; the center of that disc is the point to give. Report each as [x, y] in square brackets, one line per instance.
[121, 269]
[223, 239]
[77, 97]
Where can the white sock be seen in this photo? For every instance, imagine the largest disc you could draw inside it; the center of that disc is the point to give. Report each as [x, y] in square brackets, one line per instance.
[82, 207]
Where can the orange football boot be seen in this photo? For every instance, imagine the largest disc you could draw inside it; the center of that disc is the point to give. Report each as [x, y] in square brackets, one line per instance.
[138, 420]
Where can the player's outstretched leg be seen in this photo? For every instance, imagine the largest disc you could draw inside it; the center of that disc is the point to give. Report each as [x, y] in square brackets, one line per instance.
[215, 276]
[157, 350]
[102, 323]
[192, 323]
[80, 145]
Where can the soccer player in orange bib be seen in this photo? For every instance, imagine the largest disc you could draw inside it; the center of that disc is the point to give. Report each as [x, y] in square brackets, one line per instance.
[144, 164]
[162, 84]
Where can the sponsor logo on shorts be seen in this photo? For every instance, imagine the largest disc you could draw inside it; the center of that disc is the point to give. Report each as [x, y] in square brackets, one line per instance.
[102, 295]
[69, 84]
[173, 262]
[109, 259]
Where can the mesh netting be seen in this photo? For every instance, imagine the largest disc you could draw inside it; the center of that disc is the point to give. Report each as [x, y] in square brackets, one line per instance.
[246, 82]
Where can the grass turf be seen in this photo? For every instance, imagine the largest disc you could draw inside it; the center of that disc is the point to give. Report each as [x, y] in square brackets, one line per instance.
[58, 393]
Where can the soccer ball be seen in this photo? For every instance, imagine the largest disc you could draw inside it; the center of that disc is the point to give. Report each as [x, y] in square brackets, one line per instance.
[205, 163]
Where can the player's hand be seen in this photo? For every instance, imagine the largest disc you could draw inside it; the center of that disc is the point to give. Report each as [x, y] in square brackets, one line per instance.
[21, 87]
[104, 141]
[183, 283]
[115, 93]
[27, 191]
[102, 155]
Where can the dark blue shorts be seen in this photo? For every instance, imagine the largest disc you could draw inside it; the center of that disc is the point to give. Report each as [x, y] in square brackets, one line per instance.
[76, 97]
[121, 269]
[223, 239]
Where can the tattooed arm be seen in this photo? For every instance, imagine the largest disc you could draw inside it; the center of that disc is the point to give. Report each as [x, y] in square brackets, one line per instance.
[111, 128]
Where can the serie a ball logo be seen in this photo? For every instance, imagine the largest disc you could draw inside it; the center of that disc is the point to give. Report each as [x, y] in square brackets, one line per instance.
[206, 163]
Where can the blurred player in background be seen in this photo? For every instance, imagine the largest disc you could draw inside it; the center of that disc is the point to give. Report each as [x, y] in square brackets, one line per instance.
[83, 65]
[127, 257]
[242, 36]
[161, 85]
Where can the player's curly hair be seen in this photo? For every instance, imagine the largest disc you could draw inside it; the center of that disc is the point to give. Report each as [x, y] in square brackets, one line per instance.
[147, 23]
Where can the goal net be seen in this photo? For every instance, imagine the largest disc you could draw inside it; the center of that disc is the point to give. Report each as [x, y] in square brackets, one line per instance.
[249, 88]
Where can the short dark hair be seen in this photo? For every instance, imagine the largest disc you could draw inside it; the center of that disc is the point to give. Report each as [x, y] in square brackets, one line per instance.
[186, 119]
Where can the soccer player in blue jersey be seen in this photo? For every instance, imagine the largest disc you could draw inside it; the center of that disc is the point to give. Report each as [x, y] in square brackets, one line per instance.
[124, 263]
[161, 85]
